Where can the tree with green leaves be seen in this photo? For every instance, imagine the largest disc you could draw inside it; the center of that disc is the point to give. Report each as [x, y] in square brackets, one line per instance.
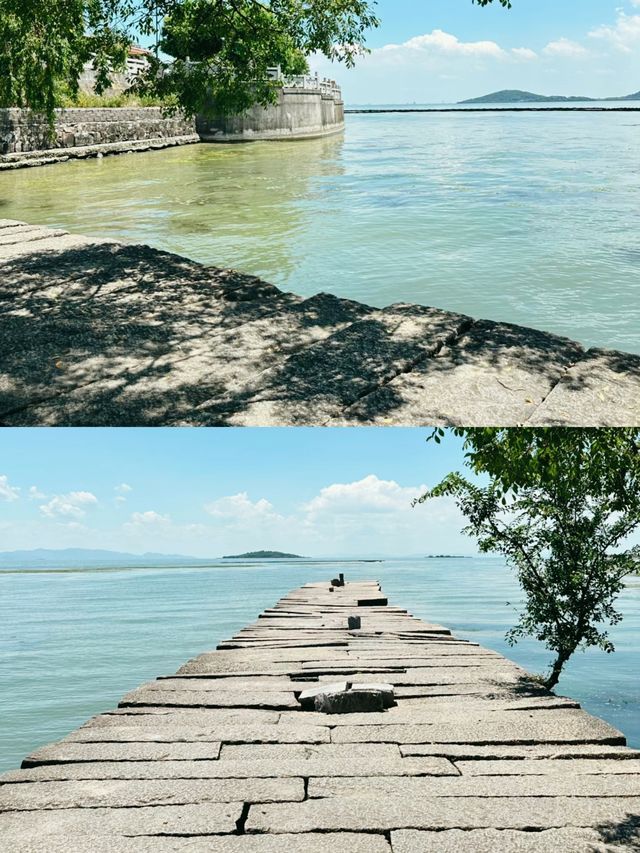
[560, 505]
[208, 50]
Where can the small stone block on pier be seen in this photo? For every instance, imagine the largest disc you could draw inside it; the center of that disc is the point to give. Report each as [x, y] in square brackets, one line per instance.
[347, 698]
[354, 623]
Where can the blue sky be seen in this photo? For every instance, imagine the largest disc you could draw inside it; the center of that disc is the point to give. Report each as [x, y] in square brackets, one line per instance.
[445, 50]
[329, 492]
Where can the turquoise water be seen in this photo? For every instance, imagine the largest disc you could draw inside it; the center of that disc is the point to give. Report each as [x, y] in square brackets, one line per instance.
[531, 218]
[72, 643]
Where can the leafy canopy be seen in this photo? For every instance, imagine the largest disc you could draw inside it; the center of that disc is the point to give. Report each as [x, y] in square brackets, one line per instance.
[559, 504]
[206, 49]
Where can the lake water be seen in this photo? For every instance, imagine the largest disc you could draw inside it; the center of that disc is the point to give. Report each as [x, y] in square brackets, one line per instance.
[73, 642]
[531, 218]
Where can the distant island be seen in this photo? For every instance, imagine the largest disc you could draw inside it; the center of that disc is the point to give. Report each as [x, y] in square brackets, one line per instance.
[263, 555]
[516, 96]
[447, 557]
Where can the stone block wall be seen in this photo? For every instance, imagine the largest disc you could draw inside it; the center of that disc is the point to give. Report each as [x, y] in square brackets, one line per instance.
[22, 130]
[299, 114]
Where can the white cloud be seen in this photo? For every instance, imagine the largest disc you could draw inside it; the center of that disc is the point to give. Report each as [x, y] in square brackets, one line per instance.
[147, 519]
[239, 508]
[438, 41]
[8, 492]
[624, 35]
[73, 504]
[123, 488]
[35, 494]
[566, 48]
[364, 496]
[524, 53]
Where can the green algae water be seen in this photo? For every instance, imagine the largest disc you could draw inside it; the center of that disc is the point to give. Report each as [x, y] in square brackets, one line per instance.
[72, 642]
[531, 218]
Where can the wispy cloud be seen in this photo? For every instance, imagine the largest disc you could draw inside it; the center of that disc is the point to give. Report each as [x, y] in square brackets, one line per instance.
[7, 491]
[73, 505]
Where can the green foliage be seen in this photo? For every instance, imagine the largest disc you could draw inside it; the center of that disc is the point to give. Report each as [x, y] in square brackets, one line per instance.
[559, 504]
[214, 50]
[45, 43]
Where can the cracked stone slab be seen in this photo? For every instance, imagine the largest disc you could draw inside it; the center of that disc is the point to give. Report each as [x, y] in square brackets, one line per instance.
[567, 729]
[603, 389]
[334, 842]
[495, 373]
[209, 699]
[380, 813]
[316, 384]
[141, 715]
[186, 733]
[205, 819]
[560, 784]
[304, 752]
[548, 767]
[504, 841]
[514, 751]
[67, 751]
[105, 793]
[260, 768]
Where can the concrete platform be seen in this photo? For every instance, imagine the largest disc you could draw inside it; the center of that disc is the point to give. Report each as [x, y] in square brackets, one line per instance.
[95, 332]
[219, 757]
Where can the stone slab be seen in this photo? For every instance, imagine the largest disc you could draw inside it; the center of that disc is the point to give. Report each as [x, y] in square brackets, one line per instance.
[495, 373]
[560, 784]
[336, 765]
[514, 751]
[66, 751]
[185, 733]
[504, 841]
[583, 729]
[334, 842]
[210, 699]
[205, 819]
[372, 813]
[601, 389]
[549, 767]
[119, 793]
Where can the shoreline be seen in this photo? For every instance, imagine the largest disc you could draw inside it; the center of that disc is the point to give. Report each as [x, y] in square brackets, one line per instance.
[163, 340]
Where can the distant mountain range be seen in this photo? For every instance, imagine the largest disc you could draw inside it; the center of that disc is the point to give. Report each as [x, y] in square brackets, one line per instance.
[42, 558]
[516, 96]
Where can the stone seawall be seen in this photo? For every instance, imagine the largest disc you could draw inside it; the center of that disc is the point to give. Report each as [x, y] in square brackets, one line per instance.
[24, 131]
[220, 757]
[299, 114]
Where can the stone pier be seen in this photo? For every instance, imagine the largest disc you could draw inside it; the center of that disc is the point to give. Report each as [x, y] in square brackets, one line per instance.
[99, 333]
[475, 757]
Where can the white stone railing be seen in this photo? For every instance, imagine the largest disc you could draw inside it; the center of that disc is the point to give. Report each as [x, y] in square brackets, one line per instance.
[307, 81]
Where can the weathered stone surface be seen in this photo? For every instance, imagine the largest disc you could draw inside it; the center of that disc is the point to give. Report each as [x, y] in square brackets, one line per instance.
[515, 751]
[334, 842]
[205, 819]
[342, 764]
[185, 733]
[602, 387]
[504, 841]
[158, 716]
[163, 340]
[559, 784]
[627, 763]
[564, 729]
[66, 751]
[495, 373]
[383, 813]
[119, 793]
[209, 699]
